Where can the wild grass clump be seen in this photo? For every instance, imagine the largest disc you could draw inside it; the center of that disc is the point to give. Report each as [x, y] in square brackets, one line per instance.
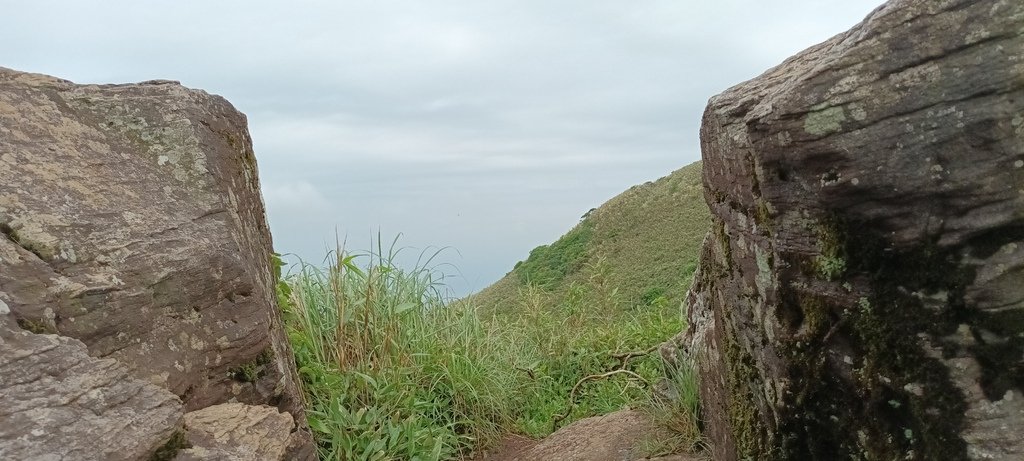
[389, 368]
[678, 410]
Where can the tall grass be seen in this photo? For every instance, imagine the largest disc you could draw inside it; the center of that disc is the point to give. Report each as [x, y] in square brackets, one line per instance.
[678, 410]
[389, 368]
[560, 344]
[392, 368]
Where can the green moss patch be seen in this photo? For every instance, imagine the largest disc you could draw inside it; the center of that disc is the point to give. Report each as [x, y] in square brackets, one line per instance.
[170, 449]
[35, 326]
[255, 369]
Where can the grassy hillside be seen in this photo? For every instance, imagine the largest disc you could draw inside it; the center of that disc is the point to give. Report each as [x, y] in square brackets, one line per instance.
[638, 249]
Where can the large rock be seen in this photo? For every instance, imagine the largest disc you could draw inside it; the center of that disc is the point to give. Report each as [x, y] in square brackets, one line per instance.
[236, 432]
[132, 221]
[860, 295]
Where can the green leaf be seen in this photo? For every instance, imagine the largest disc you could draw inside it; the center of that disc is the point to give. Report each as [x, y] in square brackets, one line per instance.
[365, 377]
[318, 426]
[404, 307]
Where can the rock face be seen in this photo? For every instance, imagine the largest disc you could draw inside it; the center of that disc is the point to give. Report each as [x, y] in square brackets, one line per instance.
[53, 392]
[859, 295]
[624, 435]
[132, 221]
[236, 432]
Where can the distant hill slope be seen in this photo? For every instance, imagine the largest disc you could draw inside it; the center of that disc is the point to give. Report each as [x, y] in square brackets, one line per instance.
[639, 248]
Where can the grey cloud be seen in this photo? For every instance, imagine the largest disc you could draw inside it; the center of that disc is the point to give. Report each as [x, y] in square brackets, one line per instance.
[489, 126]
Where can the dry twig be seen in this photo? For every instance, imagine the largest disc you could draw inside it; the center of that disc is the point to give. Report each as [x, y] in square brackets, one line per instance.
[626, 357]
[528, 372]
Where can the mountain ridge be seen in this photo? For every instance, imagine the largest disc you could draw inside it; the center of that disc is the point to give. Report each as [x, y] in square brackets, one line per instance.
[638, 248]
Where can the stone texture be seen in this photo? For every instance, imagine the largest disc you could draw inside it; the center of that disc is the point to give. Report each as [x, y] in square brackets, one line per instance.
[58, 403]
[132, 221]
[236, 432]
[618, 436]
[859, 295]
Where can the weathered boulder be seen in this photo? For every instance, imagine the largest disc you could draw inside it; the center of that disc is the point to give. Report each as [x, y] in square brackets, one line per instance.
[132, 221]
[236, 432]
[860, 294]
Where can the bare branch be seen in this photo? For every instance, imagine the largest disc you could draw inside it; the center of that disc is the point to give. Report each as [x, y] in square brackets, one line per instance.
[572, 395]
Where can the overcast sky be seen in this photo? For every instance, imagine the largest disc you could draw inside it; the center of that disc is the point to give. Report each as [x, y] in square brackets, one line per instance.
[488, 126]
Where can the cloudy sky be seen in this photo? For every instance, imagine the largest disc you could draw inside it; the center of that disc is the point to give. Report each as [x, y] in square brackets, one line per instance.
[487, 126]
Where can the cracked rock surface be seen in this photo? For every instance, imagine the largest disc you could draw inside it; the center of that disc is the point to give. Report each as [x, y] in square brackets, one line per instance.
[57, 402]
[131, 220]
[859, 295]
[236, 432]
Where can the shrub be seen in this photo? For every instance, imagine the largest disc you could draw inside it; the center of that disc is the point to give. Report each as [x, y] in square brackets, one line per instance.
[549, 264]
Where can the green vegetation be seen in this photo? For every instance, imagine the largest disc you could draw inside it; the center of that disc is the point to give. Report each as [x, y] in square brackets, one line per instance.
[255, 369]
[170, 449]
[680, 415]
[35, 326]
[392, 368]
[644, 242]
[831, 263]
[548, 265]
[389, 369]
[556, 345]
